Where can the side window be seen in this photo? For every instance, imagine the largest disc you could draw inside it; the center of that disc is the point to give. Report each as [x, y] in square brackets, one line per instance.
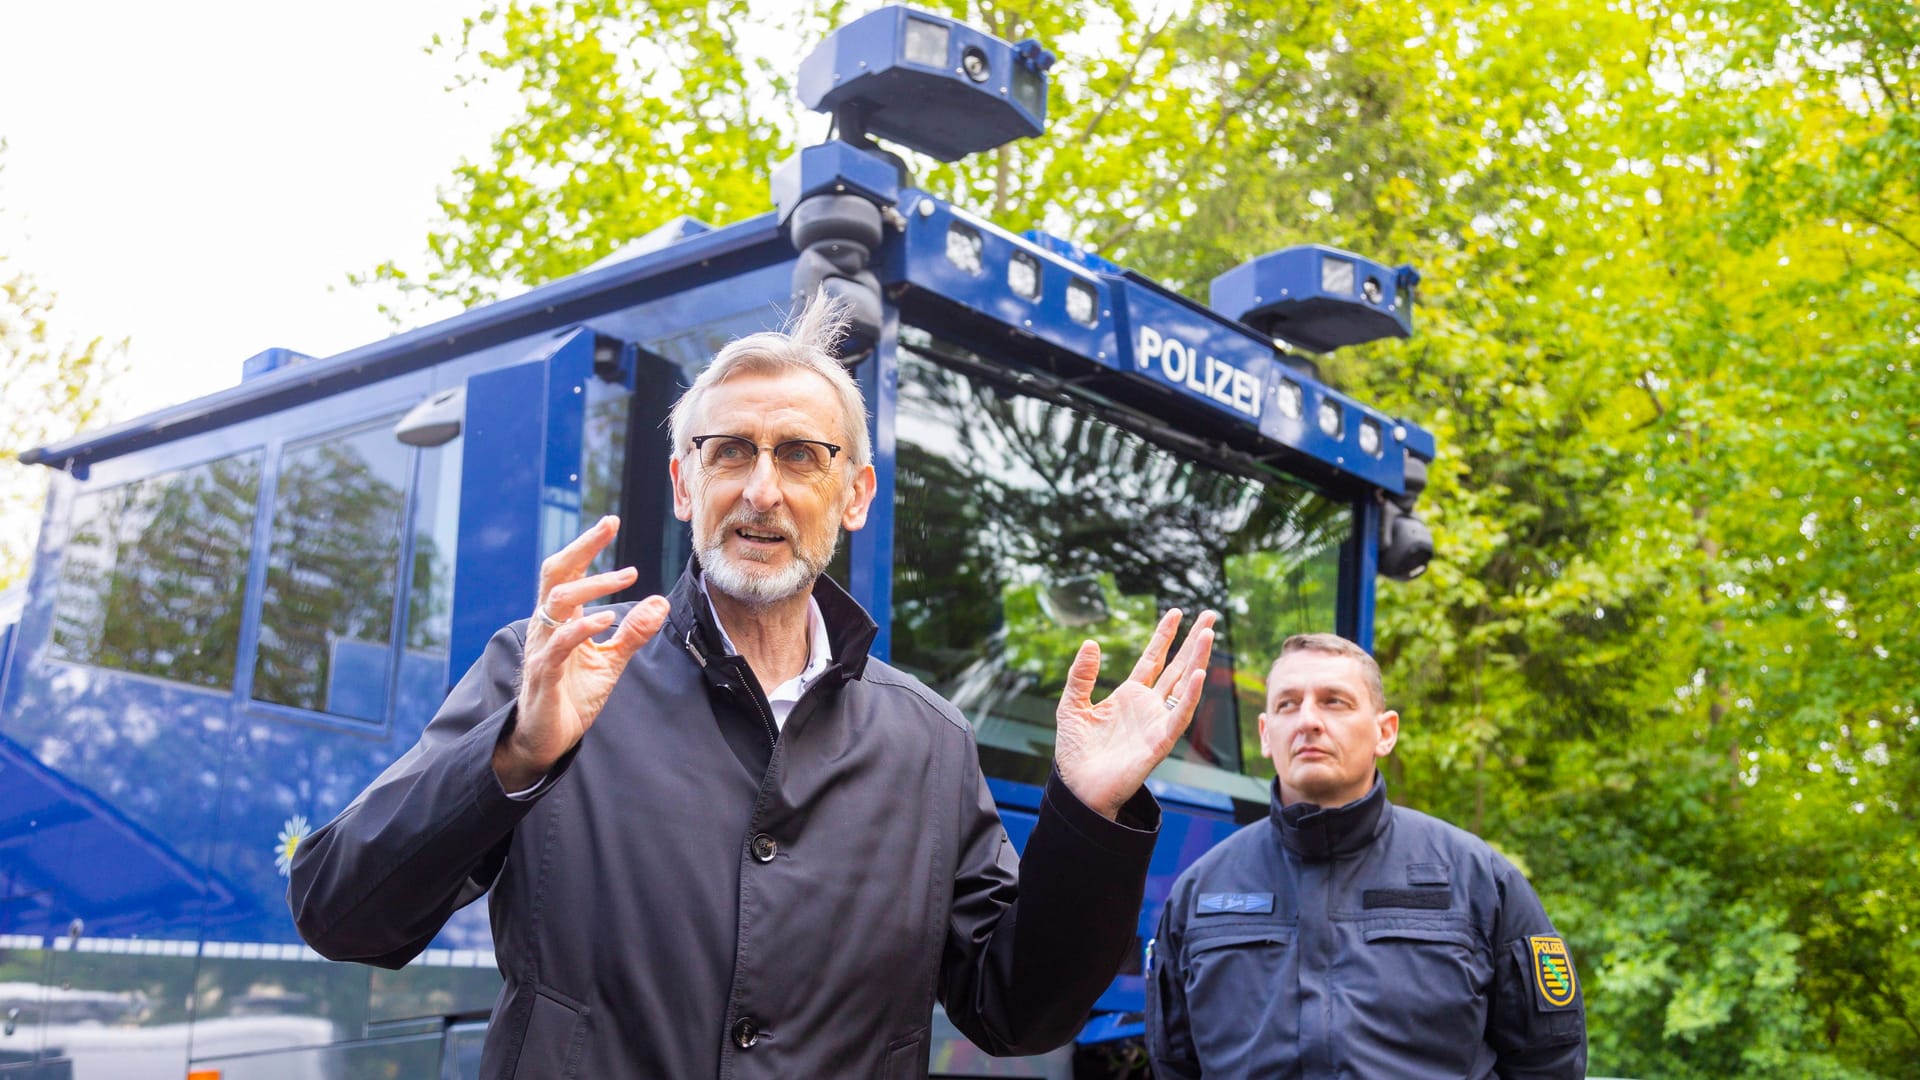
[603, 458]
[436, 528]
[326, 617]
[154, 573]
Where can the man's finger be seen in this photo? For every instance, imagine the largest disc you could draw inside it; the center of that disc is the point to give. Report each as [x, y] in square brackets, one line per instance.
[565, 601]
[638, 628]
[1147, 668]
[571, 561]
[547, 662]
[1081, 675]
[1179, 717]
[1188, 655]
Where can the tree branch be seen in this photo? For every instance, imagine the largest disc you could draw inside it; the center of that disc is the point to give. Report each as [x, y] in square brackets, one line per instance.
[1889, 229]
[1153, 199]
[1126, 81]
[1644, 382]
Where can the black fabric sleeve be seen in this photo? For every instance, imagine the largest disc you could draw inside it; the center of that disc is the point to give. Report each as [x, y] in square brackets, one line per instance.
[1169, 1032]
[1032, 942]
[1536, 1024]
[429, 836]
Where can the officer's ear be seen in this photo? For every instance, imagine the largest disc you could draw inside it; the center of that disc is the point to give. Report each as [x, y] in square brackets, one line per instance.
[1389, 727]
[1266, 751]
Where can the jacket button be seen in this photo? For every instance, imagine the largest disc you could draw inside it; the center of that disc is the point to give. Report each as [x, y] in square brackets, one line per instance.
[764, 848]
[746, 1033]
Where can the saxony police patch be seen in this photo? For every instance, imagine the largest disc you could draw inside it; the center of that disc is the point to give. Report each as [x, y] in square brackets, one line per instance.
[1552, 970]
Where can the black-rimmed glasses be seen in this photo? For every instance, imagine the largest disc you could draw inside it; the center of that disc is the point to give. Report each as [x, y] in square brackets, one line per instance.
[798, 459]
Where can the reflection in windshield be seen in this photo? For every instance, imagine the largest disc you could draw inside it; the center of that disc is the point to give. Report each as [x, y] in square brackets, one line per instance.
[1023, 527]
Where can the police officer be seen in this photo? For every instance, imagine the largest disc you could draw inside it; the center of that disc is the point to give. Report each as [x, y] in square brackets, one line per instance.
[1346, 936]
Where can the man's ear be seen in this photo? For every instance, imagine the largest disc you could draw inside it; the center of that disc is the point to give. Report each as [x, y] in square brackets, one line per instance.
[864, 485]
[1265, 750]
[1389, 722]
[682, 497]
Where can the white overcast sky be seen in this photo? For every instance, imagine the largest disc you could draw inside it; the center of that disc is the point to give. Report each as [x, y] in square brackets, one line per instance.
[202, 176]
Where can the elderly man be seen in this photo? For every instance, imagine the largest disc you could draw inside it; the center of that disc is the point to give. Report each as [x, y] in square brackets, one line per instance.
[721, 838]
[1346, 936]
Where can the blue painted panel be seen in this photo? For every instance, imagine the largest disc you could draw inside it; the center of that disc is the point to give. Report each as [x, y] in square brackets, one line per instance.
[1366, 571]
[1011, 794]
[833, 167]
[69, 852]
[1184, 348]
[520, 487]
[871, 548]
[921, 259]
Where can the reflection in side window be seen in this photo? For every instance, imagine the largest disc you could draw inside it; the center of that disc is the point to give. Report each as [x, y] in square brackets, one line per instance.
[603, 458]
[153, 574]
[327, 614]
[436, 527]
[1025, 526]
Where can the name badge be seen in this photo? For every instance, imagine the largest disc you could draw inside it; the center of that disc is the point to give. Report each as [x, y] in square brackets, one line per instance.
[1238, 903]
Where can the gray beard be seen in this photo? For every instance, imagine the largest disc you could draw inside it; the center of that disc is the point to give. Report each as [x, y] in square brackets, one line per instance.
[757, 590]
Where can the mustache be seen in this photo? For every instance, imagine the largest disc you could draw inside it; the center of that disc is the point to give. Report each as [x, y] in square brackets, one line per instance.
[775, 520]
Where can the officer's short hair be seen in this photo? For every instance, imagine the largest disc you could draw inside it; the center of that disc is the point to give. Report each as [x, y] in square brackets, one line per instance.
[806, 343]
[1335, 645]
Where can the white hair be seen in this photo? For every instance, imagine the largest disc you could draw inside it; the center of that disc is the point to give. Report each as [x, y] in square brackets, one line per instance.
[807, 343]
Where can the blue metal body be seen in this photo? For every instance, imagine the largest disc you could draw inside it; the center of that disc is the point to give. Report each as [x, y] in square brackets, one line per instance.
[143, 818]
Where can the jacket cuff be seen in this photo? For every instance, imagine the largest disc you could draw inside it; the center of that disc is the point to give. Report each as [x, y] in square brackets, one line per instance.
[489, 795]
[1133, 834]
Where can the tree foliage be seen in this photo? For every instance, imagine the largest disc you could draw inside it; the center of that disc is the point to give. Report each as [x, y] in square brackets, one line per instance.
[1672, 253]
[55, 386]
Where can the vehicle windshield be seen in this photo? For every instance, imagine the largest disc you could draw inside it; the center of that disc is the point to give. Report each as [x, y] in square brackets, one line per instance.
[1025, 525]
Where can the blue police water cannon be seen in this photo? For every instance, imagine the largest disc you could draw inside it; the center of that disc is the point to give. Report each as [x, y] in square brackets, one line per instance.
[919, 80]
[1318, 298]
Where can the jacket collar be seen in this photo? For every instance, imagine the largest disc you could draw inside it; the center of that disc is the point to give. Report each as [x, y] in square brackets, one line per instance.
[1318, 833]
[850, 629]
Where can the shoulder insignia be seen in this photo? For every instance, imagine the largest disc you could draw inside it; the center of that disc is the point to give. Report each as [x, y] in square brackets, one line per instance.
[1240, 903]
[1552, 970]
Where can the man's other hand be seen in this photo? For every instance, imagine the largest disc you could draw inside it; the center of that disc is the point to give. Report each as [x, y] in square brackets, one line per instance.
[1105, 751]
[566, 676]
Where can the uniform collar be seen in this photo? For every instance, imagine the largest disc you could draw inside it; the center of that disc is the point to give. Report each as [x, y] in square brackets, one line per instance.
[1318, 833]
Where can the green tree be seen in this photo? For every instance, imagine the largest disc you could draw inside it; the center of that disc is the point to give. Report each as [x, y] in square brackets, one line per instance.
[55, 386]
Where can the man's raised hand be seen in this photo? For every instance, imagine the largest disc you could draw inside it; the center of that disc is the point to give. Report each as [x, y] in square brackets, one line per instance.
[566, 676]
[1105, 751]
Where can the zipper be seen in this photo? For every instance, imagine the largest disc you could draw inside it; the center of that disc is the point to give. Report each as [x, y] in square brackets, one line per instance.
[766, 714]
[759, 700]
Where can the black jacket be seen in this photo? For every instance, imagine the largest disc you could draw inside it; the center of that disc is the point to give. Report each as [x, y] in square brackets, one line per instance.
[689, 895]
[1368, 940]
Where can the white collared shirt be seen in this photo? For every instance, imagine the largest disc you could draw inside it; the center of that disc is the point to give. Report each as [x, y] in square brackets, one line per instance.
[781, 699]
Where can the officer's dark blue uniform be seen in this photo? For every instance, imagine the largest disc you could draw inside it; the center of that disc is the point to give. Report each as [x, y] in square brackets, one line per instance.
[1366, 940]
